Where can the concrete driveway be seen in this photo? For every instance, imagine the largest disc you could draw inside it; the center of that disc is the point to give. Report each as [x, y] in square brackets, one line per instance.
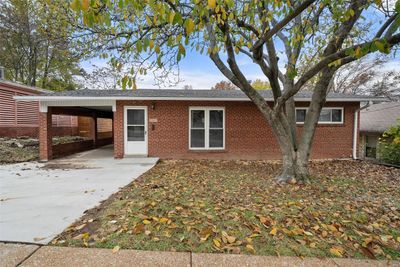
[38, 201]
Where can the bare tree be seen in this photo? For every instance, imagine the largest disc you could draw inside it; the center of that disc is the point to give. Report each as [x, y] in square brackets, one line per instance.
[366, 77]
[188, 87]
[224, 85]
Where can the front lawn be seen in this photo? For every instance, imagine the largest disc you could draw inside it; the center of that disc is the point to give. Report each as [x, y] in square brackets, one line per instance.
[350, 209]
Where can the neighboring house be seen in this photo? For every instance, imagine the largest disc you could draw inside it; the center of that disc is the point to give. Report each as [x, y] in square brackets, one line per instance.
[22, 118]
[374, 120]
[209, 124]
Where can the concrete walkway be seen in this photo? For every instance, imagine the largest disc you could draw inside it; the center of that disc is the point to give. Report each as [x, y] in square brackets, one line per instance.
[38, 201]
[33, 255]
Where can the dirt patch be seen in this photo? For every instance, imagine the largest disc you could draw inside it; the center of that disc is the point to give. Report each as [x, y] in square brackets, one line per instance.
[349, 209]
[65, 166]
[22, 149]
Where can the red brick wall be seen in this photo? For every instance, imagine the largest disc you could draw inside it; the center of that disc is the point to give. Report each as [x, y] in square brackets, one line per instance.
[247, 134]
[45, 136]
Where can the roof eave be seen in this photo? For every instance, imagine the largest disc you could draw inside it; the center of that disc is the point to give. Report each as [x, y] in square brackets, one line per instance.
[66, 98]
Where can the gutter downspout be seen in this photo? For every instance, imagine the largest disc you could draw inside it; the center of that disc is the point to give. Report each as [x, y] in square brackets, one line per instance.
[355, 131]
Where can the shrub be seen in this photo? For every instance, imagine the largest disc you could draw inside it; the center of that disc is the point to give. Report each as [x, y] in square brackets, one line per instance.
[389, 145]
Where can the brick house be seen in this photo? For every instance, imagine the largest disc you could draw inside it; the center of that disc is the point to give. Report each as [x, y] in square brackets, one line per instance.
[208, 124]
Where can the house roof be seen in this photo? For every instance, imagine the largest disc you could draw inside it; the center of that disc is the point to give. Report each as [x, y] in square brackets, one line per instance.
[23, 87]
[172, 94]
[379, 117]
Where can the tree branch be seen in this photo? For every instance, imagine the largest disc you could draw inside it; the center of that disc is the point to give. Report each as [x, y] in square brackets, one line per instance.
[267, 35]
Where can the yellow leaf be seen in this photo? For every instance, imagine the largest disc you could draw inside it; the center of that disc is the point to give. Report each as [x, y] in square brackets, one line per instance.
[332, 228]
[308, 233]
[250, 249]
[115, 249]
[164, 220]
[398, 239]
[216, 242]
[212, 4]
[85, 5]
[157, 49]
[231, 239]
[148, 20]
[358, 52]
[146, 222]
[337, 251]
[273, 231]
[171, 17]
[189, 26]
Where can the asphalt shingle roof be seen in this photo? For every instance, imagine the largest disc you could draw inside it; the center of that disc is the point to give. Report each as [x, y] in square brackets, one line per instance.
[172, 93]
[379, 117]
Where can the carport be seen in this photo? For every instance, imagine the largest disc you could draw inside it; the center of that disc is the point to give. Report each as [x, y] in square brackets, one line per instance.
[92, 109]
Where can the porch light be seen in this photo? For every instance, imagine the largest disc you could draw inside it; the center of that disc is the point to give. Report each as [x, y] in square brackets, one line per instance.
[153, 105]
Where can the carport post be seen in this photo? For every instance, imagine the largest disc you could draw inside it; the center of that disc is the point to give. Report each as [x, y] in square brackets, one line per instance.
[45, 135]
[93, 129]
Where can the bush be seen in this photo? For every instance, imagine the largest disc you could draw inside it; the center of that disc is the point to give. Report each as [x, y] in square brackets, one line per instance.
[389, 145]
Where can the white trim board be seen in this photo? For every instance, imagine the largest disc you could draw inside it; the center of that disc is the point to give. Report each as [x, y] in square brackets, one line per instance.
[80, 98]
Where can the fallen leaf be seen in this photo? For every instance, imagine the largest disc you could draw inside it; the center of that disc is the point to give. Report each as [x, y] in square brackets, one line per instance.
[146, 222]
[217, 242]
[231, 239]
[138, 228]
[273, 231]
[164, 220]
[250, 249]
[115, 249]
[80, 227]
[337, 251]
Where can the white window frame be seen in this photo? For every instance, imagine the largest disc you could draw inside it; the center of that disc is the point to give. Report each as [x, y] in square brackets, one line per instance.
[206, 128]
[323, 122]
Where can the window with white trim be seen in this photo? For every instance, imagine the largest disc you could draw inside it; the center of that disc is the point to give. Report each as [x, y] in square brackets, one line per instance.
[327, 115]
[206, 128]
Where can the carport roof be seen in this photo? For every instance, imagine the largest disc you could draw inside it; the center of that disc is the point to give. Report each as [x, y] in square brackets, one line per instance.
[173, 94]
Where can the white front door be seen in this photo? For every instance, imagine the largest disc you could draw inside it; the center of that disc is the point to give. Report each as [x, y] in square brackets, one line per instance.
[135, 129]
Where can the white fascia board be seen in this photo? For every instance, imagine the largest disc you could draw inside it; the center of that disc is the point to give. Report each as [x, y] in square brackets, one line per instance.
[114, 98]
[43, 104]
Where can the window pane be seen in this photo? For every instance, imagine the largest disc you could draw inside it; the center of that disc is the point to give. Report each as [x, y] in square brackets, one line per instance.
[197, 138]
[216, 119]
[336, 115]
[197, 118]
[136, 116]
[216, 138]
[300, 115]
[325, 115]
[135, 133]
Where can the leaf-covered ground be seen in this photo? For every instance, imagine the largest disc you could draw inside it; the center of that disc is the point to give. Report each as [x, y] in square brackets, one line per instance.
[350, 209]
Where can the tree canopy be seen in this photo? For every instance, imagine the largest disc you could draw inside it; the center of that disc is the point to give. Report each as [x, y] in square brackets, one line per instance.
[36, 45]
[293, 43]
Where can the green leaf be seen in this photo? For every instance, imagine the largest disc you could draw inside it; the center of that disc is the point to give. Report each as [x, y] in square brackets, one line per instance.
[76, 5]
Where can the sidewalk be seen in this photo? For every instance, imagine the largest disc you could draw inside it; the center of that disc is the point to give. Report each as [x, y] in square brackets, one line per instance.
[33, 255]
